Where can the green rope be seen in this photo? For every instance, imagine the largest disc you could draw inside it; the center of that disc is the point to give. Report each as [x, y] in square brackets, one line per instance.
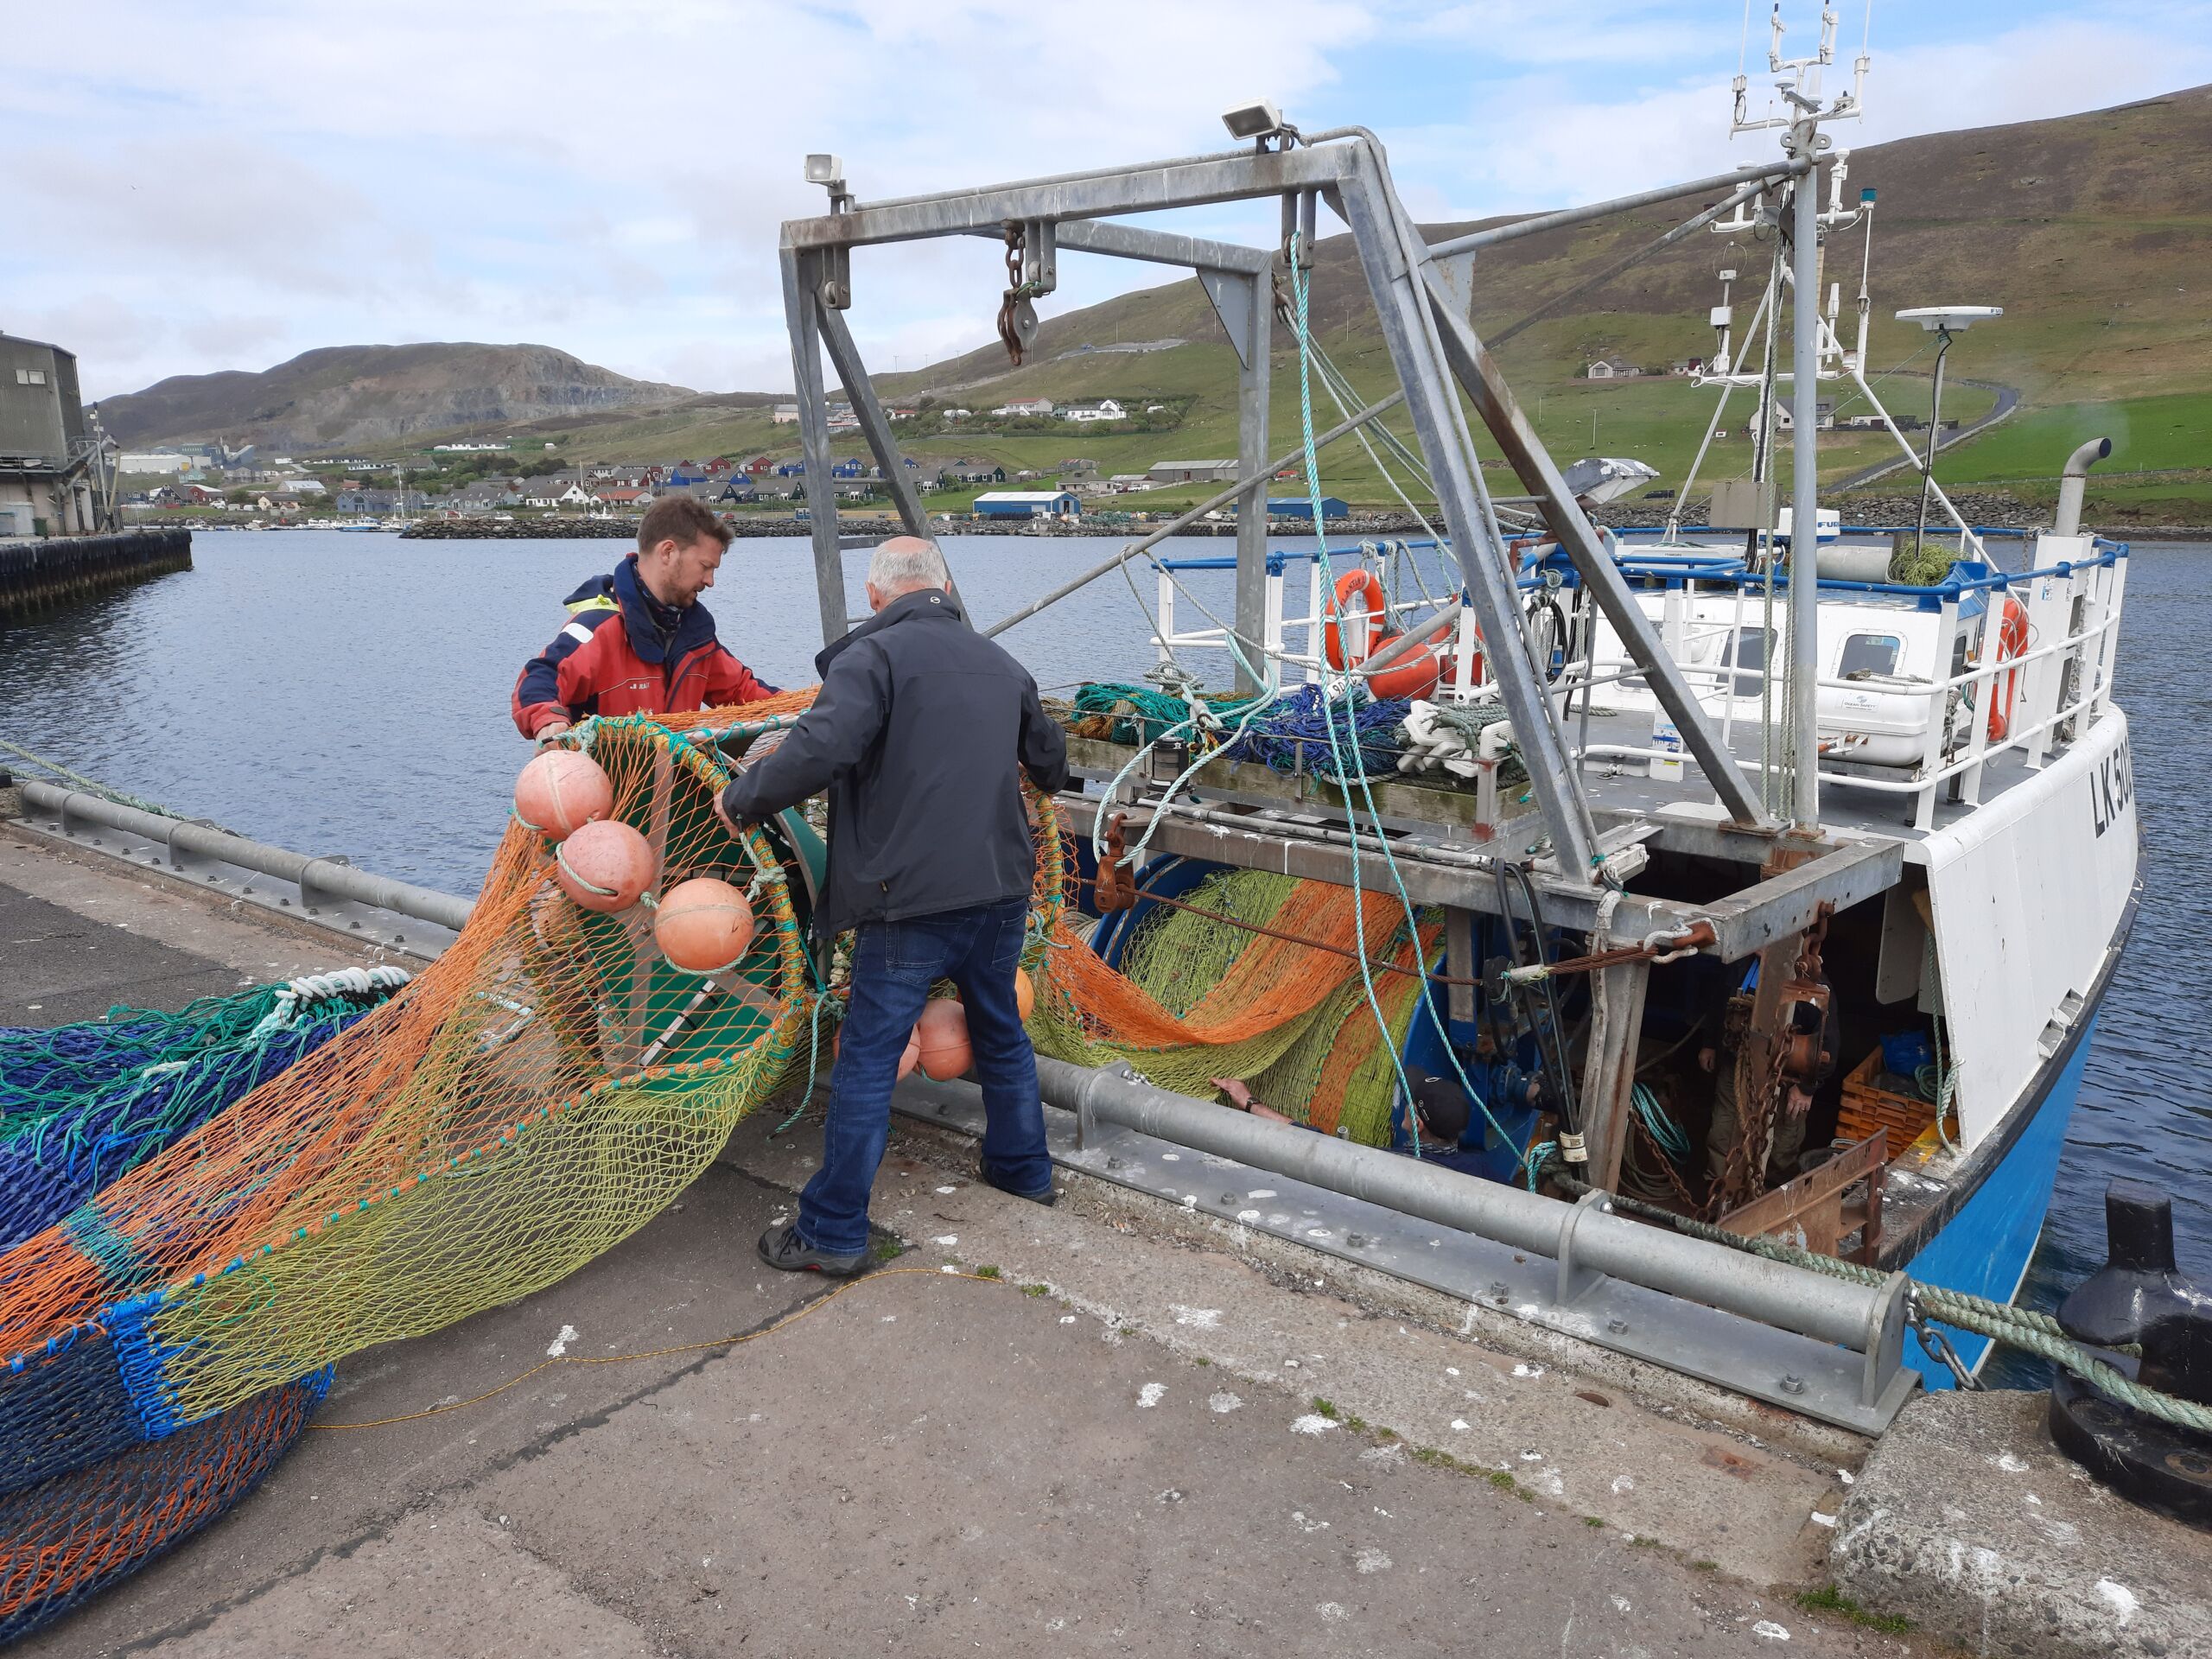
[2016, 1327]
[89, 785]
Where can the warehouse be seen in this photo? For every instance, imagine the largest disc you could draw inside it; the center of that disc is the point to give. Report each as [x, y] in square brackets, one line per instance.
[1027, 504]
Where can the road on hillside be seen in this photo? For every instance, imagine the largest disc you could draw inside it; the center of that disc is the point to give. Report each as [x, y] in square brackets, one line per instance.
[2008, 399]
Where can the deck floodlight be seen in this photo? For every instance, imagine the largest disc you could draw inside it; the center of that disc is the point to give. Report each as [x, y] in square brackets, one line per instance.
[1950, 318]
[827, 170]
[1258, 119]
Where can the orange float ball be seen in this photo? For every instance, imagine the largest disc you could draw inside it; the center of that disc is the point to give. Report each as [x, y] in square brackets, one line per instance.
[703, 926]
[604, 865]
[1025, 994]
[561, 791]
[943, 1034]
[907, 1061]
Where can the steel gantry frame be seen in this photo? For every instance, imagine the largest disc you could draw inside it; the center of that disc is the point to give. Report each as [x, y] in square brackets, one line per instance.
[1421, 304]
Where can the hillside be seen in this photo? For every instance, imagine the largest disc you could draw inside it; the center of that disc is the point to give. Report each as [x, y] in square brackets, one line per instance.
[347, 396]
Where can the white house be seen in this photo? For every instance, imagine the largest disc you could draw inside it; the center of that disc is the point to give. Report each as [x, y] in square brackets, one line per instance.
[1104, 410]
[1026, 406]
[1613, 368]
[784, 414]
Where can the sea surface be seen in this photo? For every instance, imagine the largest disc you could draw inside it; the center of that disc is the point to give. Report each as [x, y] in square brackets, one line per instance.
[349, 694]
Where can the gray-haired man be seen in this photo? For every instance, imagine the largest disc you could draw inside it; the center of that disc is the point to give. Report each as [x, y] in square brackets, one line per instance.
[918, 734]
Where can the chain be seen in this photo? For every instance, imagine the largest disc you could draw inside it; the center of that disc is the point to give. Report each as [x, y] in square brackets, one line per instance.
[1018, 293]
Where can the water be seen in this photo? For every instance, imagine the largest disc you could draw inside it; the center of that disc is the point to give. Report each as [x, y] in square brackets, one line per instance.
[349, 694]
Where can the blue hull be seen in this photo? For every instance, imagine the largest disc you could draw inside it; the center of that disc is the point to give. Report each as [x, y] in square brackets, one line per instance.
[1985, 1248]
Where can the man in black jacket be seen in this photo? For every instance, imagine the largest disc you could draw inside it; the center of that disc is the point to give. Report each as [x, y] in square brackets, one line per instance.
[918, 734]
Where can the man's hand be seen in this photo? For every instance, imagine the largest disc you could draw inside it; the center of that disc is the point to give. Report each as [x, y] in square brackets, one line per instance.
[728, 822]
[551, 729]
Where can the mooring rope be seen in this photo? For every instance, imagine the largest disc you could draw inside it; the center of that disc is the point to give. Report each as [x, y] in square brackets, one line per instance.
[2016, 1327]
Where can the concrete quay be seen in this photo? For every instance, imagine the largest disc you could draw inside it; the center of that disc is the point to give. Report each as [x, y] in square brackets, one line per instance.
[1098, 1428]
[36, 575]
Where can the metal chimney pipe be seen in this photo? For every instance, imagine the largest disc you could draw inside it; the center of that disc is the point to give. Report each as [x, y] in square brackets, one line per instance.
[2074, 482]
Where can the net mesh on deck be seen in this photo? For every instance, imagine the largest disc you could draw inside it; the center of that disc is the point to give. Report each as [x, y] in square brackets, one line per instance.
[513, 1114]
[64, 1541]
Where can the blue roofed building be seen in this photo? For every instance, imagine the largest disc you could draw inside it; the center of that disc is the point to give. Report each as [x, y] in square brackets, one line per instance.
[1028, 504]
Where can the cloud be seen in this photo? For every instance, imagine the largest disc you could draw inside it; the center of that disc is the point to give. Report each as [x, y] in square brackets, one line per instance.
[239, 186]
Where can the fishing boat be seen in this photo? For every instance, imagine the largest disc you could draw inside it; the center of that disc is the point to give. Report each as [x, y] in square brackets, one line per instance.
[1762, 885]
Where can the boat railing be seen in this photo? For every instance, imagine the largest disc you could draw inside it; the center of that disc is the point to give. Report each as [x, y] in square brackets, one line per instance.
[2071, 614]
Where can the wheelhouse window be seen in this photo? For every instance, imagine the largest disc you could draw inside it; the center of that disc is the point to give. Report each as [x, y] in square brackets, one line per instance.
[1870, 656]
[1747, 654]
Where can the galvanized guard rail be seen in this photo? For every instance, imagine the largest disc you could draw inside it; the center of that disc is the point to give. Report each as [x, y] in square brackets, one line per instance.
[418, 921]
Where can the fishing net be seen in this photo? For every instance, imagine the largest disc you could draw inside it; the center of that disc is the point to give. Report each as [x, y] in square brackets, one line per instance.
[537, 1094]
[64, 1541]
[1200, 994]
[75, 1112]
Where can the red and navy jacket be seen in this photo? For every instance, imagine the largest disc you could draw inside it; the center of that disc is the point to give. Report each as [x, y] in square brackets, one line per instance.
[624, 653]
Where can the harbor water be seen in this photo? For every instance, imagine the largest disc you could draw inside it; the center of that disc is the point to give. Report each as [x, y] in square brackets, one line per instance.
[349, 695]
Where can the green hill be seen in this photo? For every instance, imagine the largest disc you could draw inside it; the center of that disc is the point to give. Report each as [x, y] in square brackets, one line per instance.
[2091, 230]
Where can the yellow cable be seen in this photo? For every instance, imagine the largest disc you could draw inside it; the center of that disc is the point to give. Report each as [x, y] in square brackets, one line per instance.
[791, 1317]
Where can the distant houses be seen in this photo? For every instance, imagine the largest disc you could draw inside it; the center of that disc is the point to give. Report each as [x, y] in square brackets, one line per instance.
[1018, 407]
[1105, 409]
[1612, 368]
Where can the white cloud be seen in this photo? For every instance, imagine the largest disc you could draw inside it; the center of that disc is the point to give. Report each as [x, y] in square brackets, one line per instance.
[228, 188]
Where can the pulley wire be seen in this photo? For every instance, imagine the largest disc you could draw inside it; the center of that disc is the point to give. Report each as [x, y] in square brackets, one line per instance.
[1352, 819]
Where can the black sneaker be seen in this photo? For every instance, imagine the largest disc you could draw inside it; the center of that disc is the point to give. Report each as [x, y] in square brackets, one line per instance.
[1048, 1197]
[782, 1247]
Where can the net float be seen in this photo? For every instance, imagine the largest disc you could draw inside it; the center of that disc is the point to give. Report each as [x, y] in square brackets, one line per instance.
[560, 791]
[604, 865]
[703, 925]
[943, 1035]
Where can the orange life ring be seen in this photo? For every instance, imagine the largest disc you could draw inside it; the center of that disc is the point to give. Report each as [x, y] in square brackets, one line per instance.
[2011, 641]
[1370, 588]
[1415, 676]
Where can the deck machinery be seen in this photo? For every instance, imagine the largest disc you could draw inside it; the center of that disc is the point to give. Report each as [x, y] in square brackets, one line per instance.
[1644, 867]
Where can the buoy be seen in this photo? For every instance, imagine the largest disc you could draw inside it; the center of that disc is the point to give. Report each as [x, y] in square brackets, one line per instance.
[604, 866]
[907, 1061]
[943, 1034]
[561, 791]
[703, 925]
[1025, 994]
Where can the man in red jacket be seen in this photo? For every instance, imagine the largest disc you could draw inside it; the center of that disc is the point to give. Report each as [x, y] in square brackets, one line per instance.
[639, 641]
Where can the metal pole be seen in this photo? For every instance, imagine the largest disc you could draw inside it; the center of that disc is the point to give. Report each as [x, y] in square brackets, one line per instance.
[1402, 306]
[1688, 226]
[801, 305]
[1251, 610]
[1793, 1299]
[1804, 518]
[1934, 432]
[1564, 217]
[1191, 515]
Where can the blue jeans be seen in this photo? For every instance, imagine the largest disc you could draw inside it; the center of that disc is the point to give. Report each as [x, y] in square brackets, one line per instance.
[894, 965]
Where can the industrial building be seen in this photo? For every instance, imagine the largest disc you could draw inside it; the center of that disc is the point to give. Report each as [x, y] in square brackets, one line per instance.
[1192, 472]
[1301, 506]
[55, 478]
[1028, 504]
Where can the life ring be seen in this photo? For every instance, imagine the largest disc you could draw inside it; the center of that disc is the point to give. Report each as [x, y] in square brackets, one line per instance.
[2011, 641]
[1416, 676]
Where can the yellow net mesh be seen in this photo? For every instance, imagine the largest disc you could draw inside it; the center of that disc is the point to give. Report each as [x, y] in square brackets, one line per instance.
[551, 1082]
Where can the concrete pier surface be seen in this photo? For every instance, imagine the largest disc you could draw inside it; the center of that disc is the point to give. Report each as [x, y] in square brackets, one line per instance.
[1096, 1428]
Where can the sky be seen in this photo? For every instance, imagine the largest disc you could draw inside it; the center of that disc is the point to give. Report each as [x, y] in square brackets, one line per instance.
[202, 189]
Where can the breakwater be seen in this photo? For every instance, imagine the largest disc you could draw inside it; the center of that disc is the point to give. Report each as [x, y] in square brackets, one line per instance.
[1993, 510]
[37, 575]
[764, 526]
